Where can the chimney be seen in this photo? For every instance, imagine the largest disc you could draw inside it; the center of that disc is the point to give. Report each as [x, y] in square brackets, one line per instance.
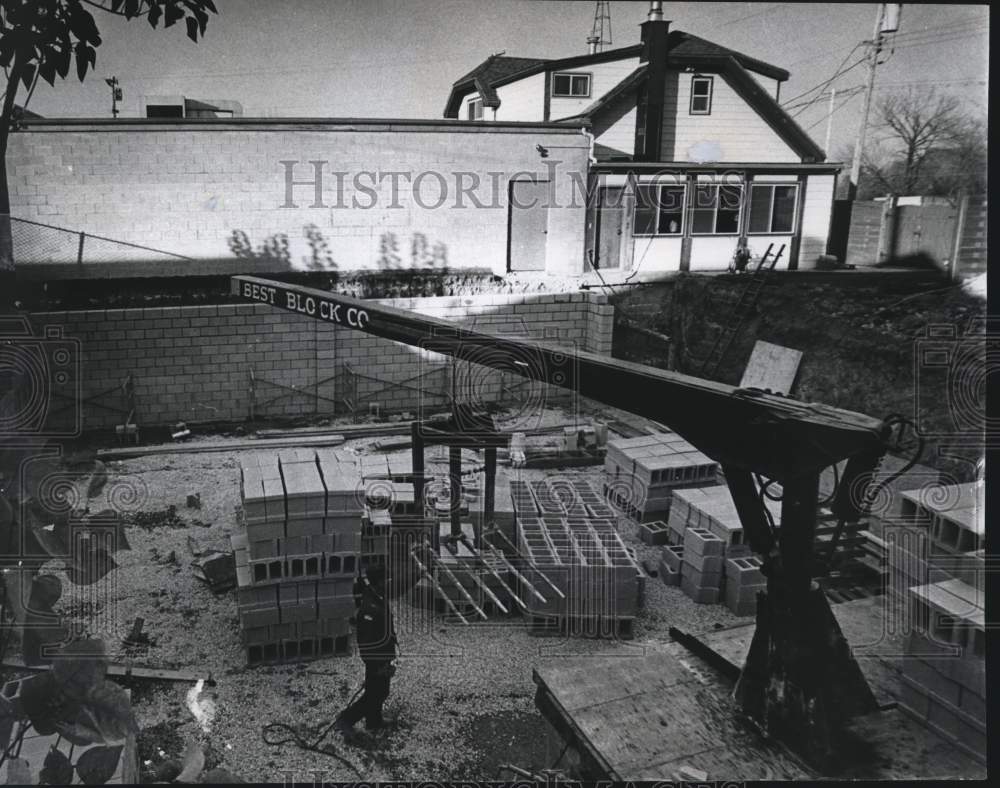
[592, 42]
[654, 54]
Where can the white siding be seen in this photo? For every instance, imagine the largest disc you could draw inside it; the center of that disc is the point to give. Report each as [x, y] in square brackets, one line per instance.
[522, 100]
[463, 111]
[712, 252]
[732, 132]
[615, 127]
[605, 76]
[816, 218]
[652, 253]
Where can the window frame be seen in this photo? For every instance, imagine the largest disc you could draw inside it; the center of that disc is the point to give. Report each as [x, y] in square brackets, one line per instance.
[711, 91]
[715, 210]
[571, 74]
[475, 102]
[659, 209]
[795, 208]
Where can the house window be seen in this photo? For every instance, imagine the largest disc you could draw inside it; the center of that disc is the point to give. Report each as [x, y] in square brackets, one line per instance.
[701, 96]
[772, 207]
[659, 210]
[476, 109]
[715, 209]
[571, 85]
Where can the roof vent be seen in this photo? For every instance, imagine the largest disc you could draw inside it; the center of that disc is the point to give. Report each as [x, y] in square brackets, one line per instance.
[655, 11]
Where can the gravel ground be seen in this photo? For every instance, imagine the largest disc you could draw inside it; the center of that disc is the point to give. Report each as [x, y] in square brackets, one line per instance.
[462, 696]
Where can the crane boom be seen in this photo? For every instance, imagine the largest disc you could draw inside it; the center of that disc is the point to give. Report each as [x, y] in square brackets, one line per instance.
[769, 434]
[799, 679]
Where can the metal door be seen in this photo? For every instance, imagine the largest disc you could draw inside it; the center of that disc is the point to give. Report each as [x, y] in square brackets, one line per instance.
[925, 230]
[529, 225]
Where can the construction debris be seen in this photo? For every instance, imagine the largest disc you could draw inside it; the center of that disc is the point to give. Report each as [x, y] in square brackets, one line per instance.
[216, 569]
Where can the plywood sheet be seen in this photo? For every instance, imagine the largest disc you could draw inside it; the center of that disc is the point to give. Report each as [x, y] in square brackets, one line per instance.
[771, 367]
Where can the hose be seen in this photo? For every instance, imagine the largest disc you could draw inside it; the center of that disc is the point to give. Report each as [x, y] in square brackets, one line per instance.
[301, 743]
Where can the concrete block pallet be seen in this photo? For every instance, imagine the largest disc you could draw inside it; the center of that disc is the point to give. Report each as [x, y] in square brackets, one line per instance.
[297, 556]
[642, 473]
[587, 561]
[943, 680]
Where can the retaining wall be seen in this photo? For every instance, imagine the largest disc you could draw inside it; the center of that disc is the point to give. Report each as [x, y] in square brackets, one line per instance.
[193, 363]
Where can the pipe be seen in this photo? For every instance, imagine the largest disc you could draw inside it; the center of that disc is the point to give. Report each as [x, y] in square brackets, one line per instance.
[655, 11]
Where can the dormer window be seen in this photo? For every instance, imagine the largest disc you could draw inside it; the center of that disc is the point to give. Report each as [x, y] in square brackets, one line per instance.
[571, 85]
[475, 109]
[701, 96]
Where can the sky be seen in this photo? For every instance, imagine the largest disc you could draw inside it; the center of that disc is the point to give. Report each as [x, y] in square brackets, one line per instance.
[398, 58]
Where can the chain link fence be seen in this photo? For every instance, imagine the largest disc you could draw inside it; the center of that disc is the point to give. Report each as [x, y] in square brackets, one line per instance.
[36, 243]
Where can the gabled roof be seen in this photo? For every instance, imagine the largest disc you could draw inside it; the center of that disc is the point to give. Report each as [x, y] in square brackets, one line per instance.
[683, 45]
[499, 70]
[484, 78]
[745, 86]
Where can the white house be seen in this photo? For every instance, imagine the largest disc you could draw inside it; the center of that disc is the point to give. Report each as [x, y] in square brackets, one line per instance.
[693, 153]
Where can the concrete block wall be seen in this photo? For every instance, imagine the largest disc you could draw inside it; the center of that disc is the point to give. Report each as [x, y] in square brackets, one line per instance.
[185, 186]
[943, 673]
[192, 363]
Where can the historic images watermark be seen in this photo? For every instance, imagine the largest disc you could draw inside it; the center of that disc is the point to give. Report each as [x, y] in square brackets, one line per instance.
[324, 186]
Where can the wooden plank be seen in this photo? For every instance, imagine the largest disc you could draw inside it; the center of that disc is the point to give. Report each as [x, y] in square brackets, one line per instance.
[125, 671]
[126, 453]
[639, 718]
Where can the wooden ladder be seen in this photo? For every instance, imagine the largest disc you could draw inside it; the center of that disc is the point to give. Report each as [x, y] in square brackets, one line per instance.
[741, 311]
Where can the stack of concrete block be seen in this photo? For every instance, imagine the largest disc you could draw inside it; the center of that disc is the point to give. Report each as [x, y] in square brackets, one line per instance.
[939, 534]
[702, 565]
[375, 528]
[522, 500]
[711, 508]
[743, 581]
[641, 474]
[943, 679]
[654, 532]
[587, 560]
[671, 558]
[298, 555]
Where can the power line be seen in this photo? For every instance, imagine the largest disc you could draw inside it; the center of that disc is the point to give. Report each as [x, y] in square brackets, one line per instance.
[837, 72]
[822, 89]
[775, 7]
[933, 82]
[948, 28]
[836, 109]
[971, 34]
[954, 26]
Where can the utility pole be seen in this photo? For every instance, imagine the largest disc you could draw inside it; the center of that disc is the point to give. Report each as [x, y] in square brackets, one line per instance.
[886, 21]
[829, 121]
[116, 94]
